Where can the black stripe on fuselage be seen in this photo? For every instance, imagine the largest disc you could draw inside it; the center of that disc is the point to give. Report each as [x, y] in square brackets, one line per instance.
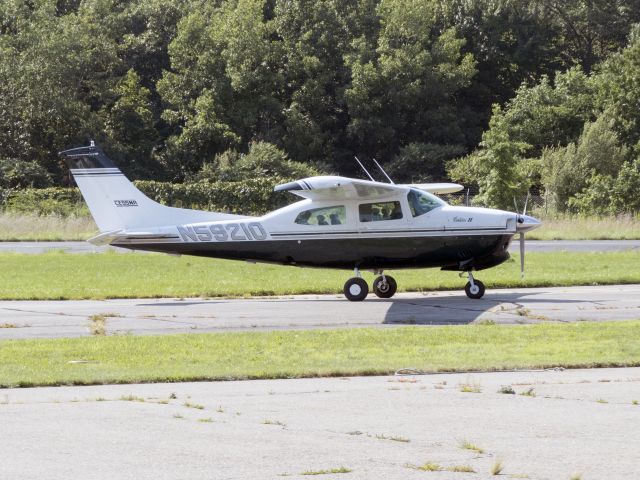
[371, 232]
[451, 252]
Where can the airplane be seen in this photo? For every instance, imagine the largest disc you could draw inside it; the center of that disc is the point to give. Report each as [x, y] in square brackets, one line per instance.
[342, 223]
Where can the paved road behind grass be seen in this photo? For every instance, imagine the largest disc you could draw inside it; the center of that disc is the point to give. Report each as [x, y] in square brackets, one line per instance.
[570, 422]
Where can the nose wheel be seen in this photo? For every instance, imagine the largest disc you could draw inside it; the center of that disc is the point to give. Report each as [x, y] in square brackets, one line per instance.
[474, 288]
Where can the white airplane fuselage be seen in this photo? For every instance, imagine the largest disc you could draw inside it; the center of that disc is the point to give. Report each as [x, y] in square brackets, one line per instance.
[451, 237]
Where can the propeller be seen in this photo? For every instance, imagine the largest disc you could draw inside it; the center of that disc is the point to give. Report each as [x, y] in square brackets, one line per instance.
[521, 220]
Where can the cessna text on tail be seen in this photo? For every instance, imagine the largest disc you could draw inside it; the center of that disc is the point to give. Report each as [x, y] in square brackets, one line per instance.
[340, 223]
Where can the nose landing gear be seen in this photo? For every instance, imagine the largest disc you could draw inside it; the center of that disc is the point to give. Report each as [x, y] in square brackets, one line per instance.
[474, 288]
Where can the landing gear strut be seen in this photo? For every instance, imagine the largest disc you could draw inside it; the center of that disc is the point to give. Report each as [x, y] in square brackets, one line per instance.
[474, 288]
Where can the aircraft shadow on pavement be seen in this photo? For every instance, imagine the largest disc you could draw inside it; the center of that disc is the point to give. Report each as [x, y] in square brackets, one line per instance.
[460, 310]
[176, 304]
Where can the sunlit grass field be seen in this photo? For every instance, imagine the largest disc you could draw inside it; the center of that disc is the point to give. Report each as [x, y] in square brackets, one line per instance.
[57, 275]
[568, 227]
[291, 354]
[15, 228]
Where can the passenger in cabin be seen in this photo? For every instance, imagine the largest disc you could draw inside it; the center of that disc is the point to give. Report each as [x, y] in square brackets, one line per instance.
[303, 218]
[334, 219]
[322, 220]
[397, 212]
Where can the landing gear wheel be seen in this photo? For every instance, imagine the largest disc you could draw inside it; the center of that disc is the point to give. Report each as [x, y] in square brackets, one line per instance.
[385, 289]
[476, 290]
[356, 289]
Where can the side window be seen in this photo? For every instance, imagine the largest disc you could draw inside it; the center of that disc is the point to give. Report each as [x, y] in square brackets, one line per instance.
[323, 216]
[374, 212]
[422, 202]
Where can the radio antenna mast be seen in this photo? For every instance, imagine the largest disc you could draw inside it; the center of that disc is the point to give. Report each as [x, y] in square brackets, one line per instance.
[383, 172]
[365, 170]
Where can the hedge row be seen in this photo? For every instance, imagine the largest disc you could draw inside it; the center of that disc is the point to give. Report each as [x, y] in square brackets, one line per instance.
[250, 197]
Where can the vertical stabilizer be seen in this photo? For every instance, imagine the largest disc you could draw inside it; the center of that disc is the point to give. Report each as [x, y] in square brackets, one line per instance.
[115, 203]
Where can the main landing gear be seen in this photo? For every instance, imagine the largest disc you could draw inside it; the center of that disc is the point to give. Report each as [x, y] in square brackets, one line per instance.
[356, 289]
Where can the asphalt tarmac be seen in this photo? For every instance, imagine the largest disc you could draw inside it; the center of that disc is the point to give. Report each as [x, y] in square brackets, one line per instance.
[42, 319]
[532, 246]
[571, 424]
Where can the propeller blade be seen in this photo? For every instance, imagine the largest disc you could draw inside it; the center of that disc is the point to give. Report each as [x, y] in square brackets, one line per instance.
[521, 254]
[526, 202]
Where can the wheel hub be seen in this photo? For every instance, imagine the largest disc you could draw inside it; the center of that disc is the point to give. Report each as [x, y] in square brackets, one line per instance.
[355, 289]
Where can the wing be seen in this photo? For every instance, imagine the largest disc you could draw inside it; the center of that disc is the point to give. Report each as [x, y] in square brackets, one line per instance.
[334, 188]
[438, 188]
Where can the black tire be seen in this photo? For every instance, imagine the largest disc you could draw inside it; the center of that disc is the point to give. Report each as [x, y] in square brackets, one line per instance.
[385, 290]
[475, 293]
[356, 289]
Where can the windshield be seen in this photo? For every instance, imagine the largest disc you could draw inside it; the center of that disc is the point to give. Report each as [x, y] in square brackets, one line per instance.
[421, 202]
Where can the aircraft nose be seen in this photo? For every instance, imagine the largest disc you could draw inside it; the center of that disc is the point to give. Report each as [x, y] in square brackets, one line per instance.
[525, 223]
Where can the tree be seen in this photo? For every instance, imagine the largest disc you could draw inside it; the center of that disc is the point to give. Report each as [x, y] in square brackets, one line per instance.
[223, 90]
[263, 160]
[494, 167]
[567, 171]
[130, 126]
[407, 92]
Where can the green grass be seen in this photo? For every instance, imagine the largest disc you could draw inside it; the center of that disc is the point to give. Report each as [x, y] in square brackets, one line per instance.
[114, 275]
[572, 227]
[293, 354]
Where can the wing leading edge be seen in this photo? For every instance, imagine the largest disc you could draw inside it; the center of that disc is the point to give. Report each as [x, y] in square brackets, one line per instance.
[333, 187]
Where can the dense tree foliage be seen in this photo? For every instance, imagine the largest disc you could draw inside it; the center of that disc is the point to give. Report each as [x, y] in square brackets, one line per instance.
[512, 95]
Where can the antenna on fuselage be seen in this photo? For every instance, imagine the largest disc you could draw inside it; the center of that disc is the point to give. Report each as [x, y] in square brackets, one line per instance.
[365, 170]
[383, 172]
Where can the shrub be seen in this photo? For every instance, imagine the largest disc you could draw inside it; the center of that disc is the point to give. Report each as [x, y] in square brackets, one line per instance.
[251, 197]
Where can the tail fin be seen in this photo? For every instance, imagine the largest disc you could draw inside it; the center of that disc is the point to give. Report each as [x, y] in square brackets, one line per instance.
[115, 203]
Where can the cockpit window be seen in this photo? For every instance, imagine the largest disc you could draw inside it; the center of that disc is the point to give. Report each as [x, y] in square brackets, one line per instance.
[374, 212]
[323, 216]
[421, 202]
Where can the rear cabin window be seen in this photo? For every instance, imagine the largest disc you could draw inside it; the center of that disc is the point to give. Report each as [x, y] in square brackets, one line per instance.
[375, 212]
[323, 216]
[421, 202]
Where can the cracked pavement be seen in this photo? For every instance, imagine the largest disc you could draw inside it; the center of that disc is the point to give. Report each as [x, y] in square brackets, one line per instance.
[573, 422]
[50, 319]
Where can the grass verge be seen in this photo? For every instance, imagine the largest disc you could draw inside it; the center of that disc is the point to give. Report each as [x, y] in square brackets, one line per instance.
[573, 227]
[114, 275]
[17, 227]
[315, 353]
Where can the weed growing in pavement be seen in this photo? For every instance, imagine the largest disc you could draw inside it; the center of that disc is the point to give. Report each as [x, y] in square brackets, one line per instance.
[327, 472]
[97, 325]
[467, 445]
[497, 467]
